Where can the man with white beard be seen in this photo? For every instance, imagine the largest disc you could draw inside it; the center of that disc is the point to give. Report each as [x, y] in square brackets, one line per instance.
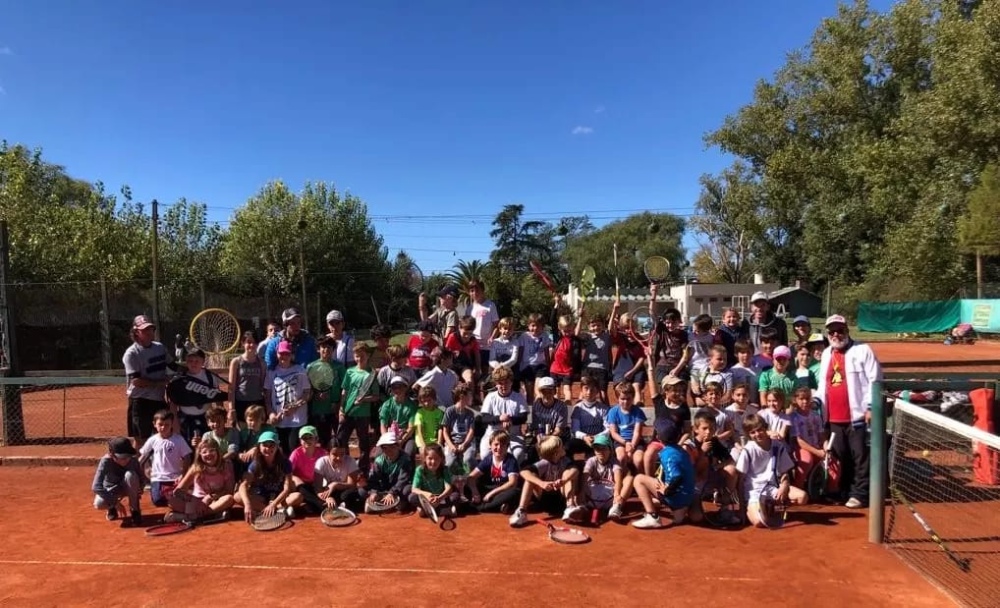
[846, 374]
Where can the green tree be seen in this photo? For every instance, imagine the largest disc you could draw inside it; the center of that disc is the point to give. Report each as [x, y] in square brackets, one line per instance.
[979, 228]
[464, 273]
[518, 241]
[726, 218]
[638, 237]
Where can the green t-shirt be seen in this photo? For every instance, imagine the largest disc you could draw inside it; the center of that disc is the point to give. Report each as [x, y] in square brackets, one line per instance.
[322, 403]
[353, 380]
[400, 413]
[248, 438]
[429, 421]
[424, 479]
[772, 379]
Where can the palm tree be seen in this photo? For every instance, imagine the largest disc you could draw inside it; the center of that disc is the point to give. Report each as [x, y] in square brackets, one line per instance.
[464, 273]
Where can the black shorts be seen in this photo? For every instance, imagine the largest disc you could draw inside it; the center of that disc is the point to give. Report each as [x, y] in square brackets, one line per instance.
[562, 380]
[552, 503]
[534, 372]
[241, 407]
[140, 416]
[600, 375]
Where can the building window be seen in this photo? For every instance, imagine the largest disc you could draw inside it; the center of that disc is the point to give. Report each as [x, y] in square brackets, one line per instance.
[698, 300]
[713, 299]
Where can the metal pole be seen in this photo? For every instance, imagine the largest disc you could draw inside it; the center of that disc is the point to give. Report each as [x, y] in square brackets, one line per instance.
[877, 467]
[156, 267]
[12, 423]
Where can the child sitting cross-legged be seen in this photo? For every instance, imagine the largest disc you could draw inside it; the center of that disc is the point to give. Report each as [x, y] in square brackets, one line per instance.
[433, 481]
[606, 484]
[390, 476]
[170, 456]
[337, 477]
[675, 484]
[207, 488]
[766, 467]
[118, 477]
[493, 482]
[267, 485]
[551, 483]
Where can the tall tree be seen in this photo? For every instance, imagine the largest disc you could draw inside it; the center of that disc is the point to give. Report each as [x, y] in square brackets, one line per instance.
[728, 223]
[979, 227]
[518, 241]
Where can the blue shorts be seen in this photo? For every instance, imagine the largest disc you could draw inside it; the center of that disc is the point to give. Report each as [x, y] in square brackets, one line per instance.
[677, 501]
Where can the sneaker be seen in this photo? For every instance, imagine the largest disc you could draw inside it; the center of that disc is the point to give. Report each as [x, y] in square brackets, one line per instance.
[574, 513]
[290, 512]
[729, 518]
[453, 511]
[368, 509]
[853, 503]
[112, 514]
[518, 519]
[649, 521]
[422, 513]
[506, 509]
[615, 512]
[173, 517]
[137, 517]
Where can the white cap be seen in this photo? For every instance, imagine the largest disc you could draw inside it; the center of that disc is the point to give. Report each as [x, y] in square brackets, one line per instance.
[758, 296]
[834, 319]
[388, 438]
[398, 380]
[546, 382]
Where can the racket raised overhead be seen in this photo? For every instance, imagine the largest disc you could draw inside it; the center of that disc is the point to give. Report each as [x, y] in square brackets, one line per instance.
[543, 277]
[338, 517]
[657, 269]
[588, 278]
[413, 278]
[215, 331]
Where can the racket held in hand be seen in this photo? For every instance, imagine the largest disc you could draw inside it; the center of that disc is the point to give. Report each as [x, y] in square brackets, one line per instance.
[338, 517]
[772, 513]
[588, 277]
[262, 523]
[321, 376]
[377, 506]
[428, 509]
[413, 278]
[366, 387]
[543, 277]
[657, 269]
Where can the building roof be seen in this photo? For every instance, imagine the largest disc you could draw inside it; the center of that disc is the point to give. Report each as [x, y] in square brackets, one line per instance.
[787, 290]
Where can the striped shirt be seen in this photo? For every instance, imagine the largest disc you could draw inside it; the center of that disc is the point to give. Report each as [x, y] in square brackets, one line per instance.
[552, 419]
[589, 419]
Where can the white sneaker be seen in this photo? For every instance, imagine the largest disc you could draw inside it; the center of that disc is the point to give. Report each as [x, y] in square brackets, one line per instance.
[853, 503]
[574, 513]
[173, 517]
[615, 512]
[290, 512]
[518, 519]
[648, 522]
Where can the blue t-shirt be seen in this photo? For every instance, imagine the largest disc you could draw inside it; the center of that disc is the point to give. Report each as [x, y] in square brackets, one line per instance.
[677, 465]
[272, 486]
[495, 475]
[626, 421]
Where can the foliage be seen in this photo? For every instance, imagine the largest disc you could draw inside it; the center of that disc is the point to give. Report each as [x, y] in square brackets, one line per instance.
[518, 241]
[464, 273]
[727, 220]
[979, 227]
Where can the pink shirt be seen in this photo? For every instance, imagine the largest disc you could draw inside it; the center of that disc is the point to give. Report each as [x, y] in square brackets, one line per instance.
[214, 483]
[303, 465]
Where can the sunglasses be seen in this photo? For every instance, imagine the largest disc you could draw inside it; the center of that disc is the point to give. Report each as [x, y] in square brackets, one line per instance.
[836, 330]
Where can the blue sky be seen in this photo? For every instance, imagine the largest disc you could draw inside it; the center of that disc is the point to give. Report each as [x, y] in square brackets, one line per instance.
[441, 109]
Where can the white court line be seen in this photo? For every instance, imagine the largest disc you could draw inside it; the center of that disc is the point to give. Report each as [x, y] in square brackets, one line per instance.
[358, 570]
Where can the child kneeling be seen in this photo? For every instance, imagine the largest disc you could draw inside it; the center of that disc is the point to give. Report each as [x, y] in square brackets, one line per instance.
[118, 477]
[675, 484]
[551, 483]
[766, 468]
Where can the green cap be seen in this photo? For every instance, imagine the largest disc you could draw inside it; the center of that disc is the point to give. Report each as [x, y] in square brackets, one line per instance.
[308, 430]
[267, 436]
[603, 440]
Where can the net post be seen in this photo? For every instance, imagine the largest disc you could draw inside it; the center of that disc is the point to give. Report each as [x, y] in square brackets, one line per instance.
[877, 466]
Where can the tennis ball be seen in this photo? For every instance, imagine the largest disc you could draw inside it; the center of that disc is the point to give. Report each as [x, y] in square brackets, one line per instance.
[926, 453]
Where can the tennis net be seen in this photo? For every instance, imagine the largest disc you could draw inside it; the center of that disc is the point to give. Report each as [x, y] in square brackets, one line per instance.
[944, 517]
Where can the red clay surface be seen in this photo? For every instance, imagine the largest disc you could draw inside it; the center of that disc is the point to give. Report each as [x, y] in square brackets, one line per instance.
[99, 411]
[820, 558]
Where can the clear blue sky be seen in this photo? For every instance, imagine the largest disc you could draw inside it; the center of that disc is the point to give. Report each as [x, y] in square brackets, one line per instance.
[442, 108]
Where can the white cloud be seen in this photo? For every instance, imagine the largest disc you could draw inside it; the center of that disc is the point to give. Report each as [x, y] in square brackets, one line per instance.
[582, 130]
[599, 110]
[6, 50]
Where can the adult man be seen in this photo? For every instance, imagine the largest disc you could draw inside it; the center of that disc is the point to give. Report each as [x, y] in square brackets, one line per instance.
[847, 371]
[344, 351]
[303, 344]
[146, 364]
[760, 318]
[445, 317]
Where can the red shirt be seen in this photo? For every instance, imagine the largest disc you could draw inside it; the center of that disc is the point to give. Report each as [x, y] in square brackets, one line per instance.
[562, 358]
[838, 402]
[465, 354]
[420, 352]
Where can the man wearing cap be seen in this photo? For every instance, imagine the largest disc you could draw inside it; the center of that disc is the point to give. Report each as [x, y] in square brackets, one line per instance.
[761, 317]
[802, 328]
[846, 373]
[445, 317]
[344, 351]
[146, 362]
[303, 344]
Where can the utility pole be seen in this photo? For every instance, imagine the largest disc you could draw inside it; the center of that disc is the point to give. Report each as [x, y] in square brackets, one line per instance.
[156, 267]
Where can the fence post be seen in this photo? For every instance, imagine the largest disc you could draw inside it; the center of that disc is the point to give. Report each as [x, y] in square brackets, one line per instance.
[877, 467]
[105, 326]
[11, 413]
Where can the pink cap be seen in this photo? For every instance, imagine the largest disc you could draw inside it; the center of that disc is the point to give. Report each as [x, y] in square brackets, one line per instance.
[782, 352]
[142, 322]
[284, 347]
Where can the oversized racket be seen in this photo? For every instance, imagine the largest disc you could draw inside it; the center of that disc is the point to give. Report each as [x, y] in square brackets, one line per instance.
[376, 506]
[544, 278]
[262, 523]
[413, 278]
[215, 331]
[566, 536]
[963, 564]
[587, 283]
[338, 517]
[657, 269]
[321, 376]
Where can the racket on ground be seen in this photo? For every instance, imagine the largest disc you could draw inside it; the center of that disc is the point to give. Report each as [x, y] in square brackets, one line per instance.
[588, 285]
[963, 564]
[215, 331]
[378, 508]
[544, 278]
[428, 509]
[566, 536]
[171, 528]
[773, 514]
[262, 523]
[413, 278]
[338, 517]
[657, 269]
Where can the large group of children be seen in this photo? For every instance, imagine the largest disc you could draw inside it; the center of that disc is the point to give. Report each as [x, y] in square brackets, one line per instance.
[476, 418]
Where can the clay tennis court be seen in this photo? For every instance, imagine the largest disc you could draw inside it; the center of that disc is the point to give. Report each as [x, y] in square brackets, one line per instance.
[820, 558]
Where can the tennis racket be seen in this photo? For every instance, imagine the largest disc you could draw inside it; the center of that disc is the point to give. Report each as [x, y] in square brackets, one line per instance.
[215, 331]
[413, 278]
[378, 508]
[544, 278]
[366, 387]
[819, 476]
[321, 376]
[963, 564]
[168, 529]
[657, 269]
[428, 509]
[614, 248]
[566, 536]
[773, 513]
[261, 523]
[587, 283]
[338, 517]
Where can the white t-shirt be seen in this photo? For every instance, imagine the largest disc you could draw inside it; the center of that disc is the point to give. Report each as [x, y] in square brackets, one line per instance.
[443, 381]
[288, 385]
[760, 467]
[327, 475]
[512, 405]
[549, 471]
[167, 457]
[486, 317]
[776, 422]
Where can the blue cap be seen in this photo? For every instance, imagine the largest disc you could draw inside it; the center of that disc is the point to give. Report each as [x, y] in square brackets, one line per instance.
[801, 319]
[267, 436]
